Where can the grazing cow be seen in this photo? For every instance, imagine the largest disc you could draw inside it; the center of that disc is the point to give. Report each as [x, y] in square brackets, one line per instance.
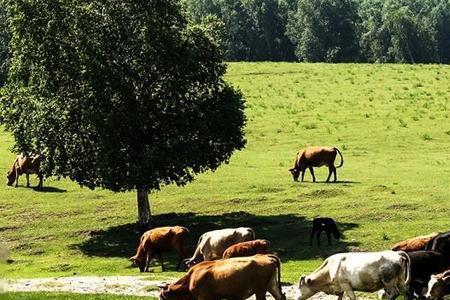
[358, 271]
[438, 286]
[212, 244]
[159, 240]
[440, 243]
[415, 243]
[324, 224]
[315, 157]
[247, 249]
[234, 278]
[423, 265]
[25, 164]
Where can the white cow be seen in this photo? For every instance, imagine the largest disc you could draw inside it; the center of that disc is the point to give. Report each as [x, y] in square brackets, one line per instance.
[212, 244]
[358, 271]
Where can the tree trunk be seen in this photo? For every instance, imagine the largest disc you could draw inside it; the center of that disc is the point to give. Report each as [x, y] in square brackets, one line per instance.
[144, 213]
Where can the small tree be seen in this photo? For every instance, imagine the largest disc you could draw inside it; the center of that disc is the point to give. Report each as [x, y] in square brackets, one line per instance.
[122, 95]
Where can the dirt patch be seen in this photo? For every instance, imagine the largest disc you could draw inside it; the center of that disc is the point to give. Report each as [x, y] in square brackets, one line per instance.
[118, 285]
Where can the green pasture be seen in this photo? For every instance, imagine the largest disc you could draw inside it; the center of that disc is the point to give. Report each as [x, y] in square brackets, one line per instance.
[65, 296]
[391, 122]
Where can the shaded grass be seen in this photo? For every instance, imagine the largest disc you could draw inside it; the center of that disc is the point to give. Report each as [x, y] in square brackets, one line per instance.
[393, 133]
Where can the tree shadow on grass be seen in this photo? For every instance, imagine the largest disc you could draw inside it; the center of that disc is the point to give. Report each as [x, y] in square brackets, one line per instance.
[288, 233]
[50, 189]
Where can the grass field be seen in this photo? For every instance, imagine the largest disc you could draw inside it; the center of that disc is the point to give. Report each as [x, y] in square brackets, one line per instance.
[66, 296]
[391, 123]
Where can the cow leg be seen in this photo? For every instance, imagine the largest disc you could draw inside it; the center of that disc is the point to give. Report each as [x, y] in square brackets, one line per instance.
[17, 177]
[41, 179]
[303, 175]
[318, 237]
[147, 262]
[334, 172]
[340, 296]
[312, 174]
[330, 170]
[312, 237]
[349, 291]
[160, 258]
[329, 237]
[28, 179]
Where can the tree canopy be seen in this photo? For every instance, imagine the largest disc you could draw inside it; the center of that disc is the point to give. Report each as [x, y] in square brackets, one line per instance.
[119, 94]
[4, 45]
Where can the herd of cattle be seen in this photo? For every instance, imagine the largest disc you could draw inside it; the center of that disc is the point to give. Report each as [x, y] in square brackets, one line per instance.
[231, 264]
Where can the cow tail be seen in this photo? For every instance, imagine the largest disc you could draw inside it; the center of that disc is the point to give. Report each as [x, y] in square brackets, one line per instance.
[407, 266]
[197, 249]
[278, 270]
[342, 158]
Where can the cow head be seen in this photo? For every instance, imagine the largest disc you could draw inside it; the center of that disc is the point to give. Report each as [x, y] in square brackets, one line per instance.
[11, 177]
[174, 292]
[139, 261]
[437, 287]
[295, 173]
[304, 290]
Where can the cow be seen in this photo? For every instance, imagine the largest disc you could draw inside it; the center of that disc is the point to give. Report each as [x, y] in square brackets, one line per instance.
[310, 157]
[438, 286]
[234, 278]
[414, 244]
[212, 244]
[324, 224]
[157, 241]
[247, 249]
[440, 243]
[358, 271]
[25, 164]
[423, 265]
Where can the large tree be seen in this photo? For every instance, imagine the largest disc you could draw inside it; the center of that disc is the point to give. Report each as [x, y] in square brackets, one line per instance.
[4, 45]
[122, 95]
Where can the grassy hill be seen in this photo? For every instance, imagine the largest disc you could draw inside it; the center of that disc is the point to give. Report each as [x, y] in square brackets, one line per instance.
[391, 123]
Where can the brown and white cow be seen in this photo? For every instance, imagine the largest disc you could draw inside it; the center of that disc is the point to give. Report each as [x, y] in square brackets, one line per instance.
[234, 278]
[25, 164]
[415, 243]
[358, 271]
[212, 244]
[247, 249]
[310, 157]
[438, 286]
[157, 241]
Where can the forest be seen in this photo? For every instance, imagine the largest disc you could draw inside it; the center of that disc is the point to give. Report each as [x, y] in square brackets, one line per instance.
[382, 31]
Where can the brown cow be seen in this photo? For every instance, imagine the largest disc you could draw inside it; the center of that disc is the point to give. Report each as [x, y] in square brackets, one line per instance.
[247, 249]
[159, 240]
[415, 243]
[234, 278]
[315, 157]
[25, 164]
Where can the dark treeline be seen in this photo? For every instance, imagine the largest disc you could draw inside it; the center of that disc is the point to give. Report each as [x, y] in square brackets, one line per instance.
[412, 31]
